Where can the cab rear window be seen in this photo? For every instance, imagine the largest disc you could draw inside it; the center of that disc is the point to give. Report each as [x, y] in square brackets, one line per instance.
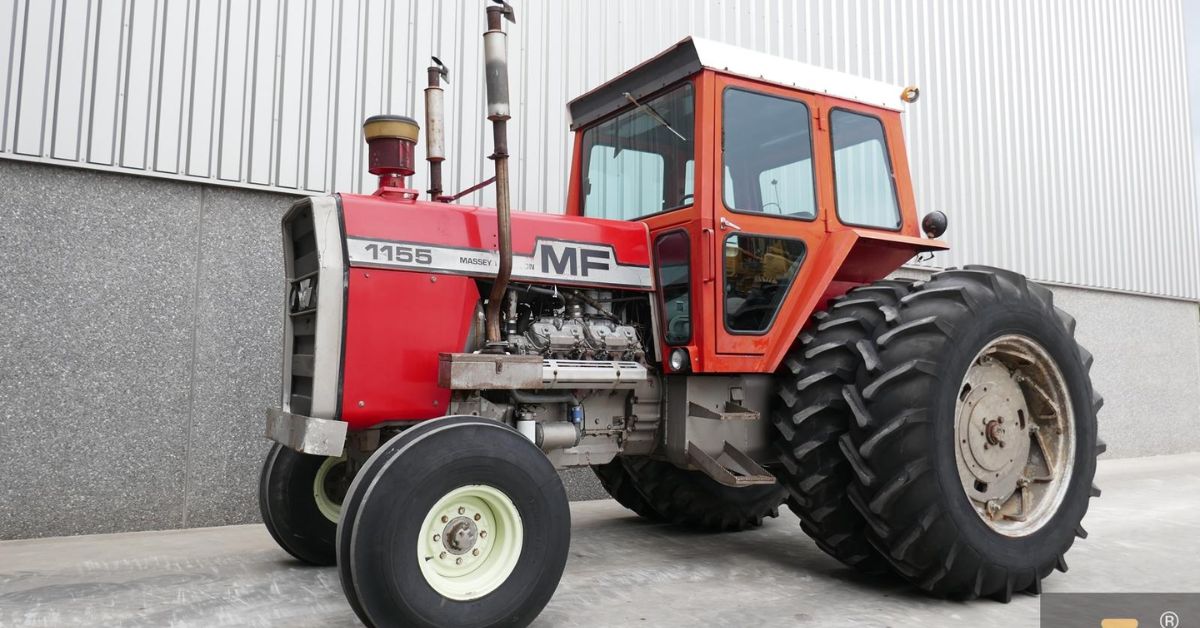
[862, 171]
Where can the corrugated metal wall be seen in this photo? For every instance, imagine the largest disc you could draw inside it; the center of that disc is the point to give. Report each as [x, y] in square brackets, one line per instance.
[1054, 133]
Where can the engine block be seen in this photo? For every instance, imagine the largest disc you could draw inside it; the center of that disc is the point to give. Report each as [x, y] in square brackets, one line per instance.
[581, 337]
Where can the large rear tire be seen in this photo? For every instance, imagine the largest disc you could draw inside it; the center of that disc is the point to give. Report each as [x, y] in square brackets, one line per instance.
[459, 522]
[975, 441]
[690, 498]
[618, 483]
[299, 496]
[811, 416]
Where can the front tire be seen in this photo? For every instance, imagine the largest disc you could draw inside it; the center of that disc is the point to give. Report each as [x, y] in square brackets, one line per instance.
[460, 521]
[299, 496]
[974, 446]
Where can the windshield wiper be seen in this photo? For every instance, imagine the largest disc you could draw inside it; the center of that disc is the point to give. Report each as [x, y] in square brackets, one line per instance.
[647, 109]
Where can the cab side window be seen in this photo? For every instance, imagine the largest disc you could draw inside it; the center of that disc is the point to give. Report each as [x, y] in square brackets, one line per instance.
[767, 151]
[862, 171]
[673, 253]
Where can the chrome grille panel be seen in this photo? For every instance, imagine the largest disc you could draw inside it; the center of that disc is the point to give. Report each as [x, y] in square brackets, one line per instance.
[314, 307]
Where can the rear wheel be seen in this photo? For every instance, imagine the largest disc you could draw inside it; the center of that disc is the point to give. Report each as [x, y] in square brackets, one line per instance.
[300, 497]
[975, 442]
[460, 521]
[811, 416]
[620, 486]
[660, 490]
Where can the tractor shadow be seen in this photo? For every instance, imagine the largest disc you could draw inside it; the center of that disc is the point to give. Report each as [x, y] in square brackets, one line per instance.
[777, 555]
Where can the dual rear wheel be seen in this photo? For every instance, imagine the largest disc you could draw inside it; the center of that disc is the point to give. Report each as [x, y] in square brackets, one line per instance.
[961, 449]
[660, 491]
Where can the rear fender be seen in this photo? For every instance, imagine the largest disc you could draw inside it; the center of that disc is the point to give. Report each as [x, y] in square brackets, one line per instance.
[849, 258]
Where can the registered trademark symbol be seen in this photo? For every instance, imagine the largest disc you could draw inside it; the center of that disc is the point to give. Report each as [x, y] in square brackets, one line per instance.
[1169, 619]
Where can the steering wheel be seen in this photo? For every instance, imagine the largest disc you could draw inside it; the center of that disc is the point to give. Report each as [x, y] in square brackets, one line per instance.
[751, 314]
[686, 198]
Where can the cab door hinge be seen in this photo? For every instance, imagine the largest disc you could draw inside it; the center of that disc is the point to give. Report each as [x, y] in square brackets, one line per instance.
[817, 121]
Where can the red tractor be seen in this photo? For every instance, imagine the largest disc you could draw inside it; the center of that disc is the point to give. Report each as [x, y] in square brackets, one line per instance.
[709, 326]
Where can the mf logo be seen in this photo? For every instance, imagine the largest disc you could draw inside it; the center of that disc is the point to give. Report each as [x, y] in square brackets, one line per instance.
[577, 260]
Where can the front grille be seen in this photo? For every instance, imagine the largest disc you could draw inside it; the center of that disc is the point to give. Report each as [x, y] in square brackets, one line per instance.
[303, 253]
[311, 362]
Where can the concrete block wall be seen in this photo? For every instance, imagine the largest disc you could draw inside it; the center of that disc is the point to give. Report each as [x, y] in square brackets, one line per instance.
[140, 341]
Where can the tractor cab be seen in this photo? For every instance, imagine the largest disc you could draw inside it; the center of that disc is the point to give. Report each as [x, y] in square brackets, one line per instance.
[759, 179]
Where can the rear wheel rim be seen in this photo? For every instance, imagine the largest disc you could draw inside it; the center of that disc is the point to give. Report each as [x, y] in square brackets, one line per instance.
[470, 542]
[1014, 428]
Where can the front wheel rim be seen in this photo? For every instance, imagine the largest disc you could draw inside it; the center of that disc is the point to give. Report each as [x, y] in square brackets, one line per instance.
[1014, 433]
[470, 542]
[323, 493]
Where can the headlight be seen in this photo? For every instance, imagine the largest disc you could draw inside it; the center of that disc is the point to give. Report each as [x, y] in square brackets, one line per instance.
[679, 360]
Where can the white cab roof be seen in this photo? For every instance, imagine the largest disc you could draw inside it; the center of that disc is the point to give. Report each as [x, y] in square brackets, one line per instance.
[692, 54]
[810, 78]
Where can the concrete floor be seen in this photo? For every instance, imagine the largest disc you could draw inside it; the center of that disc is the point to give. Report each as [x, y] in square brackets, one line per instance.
[622, 571]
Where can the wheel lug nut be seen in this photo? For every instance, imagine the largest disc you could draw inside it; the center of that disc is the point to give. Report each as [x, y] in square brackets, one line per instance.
[482, 533]
[475, 552]
[437, 537]
[461, 510]
[457, 561]
[478, 516]
[445, 518]
[442, 555]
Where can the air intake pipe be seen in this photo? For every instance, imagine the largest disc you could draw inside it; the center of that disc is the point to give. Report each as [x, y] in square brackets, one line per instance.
[495, 59]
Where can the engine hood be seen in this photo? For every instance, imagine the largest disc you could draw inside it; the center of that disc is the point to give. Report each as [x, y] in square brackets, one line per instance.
[383, 232]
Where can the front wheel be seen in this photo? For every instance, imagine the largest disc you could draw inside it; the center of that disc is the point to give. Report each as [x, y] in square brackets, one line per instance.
[974, 444]
[458, 522]
[300, 498]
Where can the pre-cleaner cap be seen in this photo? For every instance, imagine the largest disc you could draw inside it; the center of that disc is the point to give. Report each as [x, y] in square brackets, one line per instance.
[391, 146]
[391, 127]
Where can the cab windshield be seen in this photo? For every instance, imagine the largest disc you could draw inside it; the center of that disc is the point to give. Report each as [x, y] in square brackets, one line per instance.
[640, 162]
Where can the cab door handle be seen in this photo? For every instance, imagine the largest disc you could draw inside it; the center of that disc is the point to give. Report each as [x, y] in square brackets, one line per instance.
[707, 254]
[726, 224]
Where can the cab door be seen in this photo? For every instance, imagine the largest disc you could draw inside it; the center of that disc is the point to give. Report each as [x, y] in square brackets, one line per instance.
[769, 211]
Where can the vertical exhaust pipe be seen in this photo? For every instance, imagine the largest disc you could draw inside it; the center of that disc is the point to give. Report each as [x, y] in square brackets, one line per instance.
[495, 59]
[435, 126]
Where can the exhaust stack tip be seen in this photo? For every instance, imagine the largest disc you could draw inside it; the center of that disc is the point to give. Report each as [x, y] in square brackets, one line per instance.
[391, 144]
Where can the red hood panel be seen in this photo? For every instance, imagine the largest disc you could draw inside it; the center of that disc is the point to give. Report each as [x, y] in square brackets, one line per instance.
[461, 240]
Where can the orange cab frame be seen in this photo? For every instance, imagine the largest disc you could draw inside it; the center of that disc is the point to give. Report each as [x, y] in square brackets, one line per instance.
[836, 255]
